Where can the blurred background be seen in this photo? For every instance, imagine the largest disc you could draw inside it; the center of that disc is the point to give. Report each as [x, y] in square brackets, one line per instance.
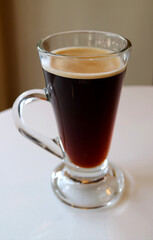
[23, 23]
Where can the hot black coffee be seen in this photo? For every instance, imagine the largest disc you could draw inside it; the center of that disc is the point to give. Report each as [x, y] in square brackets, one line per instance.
[85, 93]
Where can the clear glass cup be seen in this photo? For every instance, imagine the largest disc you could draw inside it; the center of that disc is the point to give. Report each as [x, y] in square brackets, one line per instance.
[83, 72]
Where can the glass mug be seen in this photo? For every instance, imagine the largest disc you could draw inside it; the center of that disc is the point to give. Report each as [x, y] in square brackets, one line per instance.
[83, 73]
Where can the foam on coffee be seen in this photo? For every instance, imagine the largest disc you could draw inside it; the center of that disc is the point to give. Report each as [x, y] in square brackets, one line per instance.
[83, 63]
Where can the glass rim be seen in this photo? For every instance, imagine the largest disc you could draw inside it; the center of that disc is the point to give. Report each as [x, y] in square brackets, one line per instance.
[111, 54]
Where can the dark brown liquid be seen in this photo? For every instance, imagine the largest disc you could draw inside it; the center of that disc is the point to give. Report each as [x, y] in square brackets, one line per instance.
[85, 111]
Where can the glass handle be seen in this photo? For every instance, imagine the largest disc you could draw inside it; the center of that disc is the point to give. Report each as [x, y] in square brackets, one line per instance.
[51, 145]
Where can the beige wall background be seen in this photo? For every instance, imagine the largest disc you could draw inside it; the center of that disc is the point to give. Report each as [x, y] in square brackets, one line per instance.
[24, 22]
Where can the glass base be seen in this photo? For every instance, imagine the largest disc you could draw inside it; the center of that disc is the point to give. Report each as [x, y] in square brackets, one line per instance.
[91, 193]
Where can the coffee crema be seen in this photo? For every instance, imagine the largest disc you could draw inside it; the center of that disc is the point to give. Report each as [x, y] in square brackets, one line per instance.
[85, 110]
[83, 63]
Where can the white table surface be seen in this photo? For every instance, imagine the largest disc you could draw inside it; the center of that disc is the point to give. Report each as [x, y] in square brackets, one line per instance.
[30, 210]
